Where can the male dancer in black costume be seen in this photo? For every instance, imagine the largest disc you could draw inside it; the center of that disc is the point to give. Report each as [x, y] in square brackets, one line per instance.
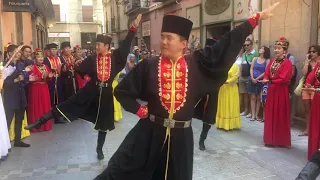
[86, 103]
[160, 146]
[206, 109]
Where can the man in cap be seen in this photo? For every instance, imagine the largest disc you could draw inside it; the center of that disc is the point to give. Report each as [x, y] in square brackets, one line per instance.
[160, 146]
[136, 52]
[55, 64]
[70, 85]
[206, 109]
[94, 102]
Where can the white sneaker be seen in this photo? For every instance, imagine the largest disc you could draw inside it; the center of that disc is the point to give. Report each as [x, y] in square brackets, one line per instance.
[242, 114]
[249, 115]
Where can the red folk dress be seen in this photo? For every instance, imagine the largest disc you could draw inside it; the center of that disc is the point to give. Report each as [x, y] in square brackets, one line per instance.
[277, 110]
[313, 79]
[39, 97]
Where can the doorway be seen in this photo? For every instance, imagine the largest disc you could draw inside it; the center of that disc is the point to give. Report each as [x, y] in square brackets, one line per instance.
[217, 30]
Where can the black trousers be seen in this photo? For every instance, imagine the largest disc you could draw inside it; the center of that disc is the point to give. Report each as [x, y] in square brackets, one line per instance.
[19, 116]
[101, 139]
[205, 129]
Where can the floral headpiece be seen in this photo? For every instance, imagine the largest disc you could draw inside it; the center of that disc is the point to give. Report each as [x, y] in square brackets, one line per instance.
[283, 42]
[76, 48]
[39, 52]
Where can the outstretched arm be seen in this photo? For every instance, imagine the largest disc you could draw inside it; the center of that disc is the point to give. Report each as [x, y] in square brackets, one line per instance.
[220, 57]
[132, 88]
[124, 49]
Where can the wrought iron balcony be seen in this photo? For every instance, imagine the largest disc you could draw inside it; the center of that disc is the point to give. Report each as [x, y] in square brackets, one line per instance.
[138, 6]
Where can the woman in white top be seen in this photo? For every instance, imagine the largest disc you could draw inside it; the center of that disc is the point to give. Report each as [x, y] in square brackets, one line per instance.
[5, 145]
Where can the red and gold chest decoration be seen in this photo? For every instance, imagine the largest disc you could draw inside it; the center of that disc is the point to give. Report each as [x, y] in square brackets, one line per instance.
[42, 68]
[275, 66]
[69, 61]
[104, 67]
[55, 63]
[173, 83]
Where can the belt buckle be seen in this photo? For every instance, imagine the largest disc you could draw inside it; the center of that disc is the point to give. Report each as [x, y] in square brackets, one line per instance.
[187, 124]
[169, 123]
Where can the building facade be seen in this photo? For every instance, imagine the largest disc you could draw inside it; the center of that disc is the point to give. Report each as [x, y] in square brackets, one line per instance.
[153, 12]
[77, 21]
[116, 20]
[25, 22]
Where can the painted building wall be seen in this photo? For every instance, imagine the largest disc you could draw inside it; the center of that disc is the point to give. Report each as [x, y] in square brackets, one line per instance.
[75, 30]
[292, 20]
[8, 27]
[10, 30]
[27, 29]
[156, 19]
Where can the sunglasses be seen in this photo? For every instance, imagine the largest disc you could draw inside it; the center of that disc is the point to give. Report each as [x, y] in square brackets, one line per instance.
[312, 52]
[246, 45]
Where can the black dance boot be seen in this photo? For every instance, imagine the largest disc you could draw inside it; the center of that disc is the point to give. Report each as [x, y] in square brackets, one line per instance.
[202, 147]
[100, 142]
[43, 119]
[203, 136]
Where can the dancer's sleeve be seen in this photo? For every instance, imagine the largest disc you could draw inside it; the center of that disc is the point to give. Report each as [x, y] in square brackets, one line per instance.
[120, 54]
[219, 58]
[84, 69]
[133, 87]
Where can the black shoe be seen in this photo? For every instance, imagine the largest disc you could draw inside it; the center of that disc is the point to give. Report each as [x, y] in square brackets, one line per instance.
[202, 147]
[21, 144]
[41, 121]
[100, 155]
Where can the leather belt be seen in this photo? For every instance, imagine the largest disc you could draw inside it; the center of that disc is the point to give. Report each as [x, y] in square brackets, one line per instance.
[169, 123]
[101, 84]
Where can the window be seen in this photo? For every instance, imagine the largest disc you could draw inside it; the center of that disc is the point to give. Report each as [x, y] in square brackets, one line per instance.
[56, 9]
[87, 13]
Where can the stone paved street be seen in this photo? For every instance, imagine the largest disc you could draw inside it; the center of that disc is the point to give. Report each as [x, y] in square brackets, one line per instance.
[68, 153]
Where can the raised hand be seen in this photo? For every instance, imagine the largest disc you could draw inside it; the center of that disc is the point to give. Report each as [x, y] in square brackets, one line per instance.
[32, 78]
[136, 22]
[266, 13]
[28, 68]
[51, 75]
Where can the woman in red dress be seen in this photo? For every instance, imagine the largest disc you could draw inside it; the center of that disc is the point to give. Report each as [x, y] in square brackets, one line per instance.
[313, 81]
[277, 111]
[39, 97]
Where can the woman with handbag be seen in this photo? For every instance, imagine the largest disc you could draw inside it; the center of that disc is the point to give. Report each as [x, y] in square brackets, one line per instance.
[312, 58]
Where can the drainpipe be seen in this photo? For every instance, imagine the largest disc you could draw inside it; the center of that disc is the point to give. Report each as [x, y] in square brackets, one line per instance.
[314, 22]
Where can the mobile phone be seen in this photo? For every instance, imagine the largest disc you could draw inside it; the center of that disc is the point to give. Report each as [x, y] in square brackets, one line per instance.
[309, 56]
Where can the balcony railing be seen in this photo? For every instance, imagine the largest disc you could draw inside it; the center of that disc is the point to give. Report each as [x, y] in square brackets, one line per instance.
[138, 5]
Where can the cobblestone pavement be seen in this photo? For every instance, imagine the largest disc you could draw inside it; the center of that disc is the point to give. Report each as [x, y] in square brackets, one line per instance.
[68, 152]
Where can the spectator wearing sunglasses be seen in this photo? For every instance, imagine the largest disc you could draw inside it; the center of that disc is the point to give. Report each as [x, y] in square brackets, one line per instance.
[312, 58]
[247, 57]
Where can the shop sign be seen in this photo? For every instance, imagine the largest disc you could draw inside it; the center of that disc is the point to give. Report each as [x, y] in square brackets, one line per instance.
[57, 35]
[17, 5]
